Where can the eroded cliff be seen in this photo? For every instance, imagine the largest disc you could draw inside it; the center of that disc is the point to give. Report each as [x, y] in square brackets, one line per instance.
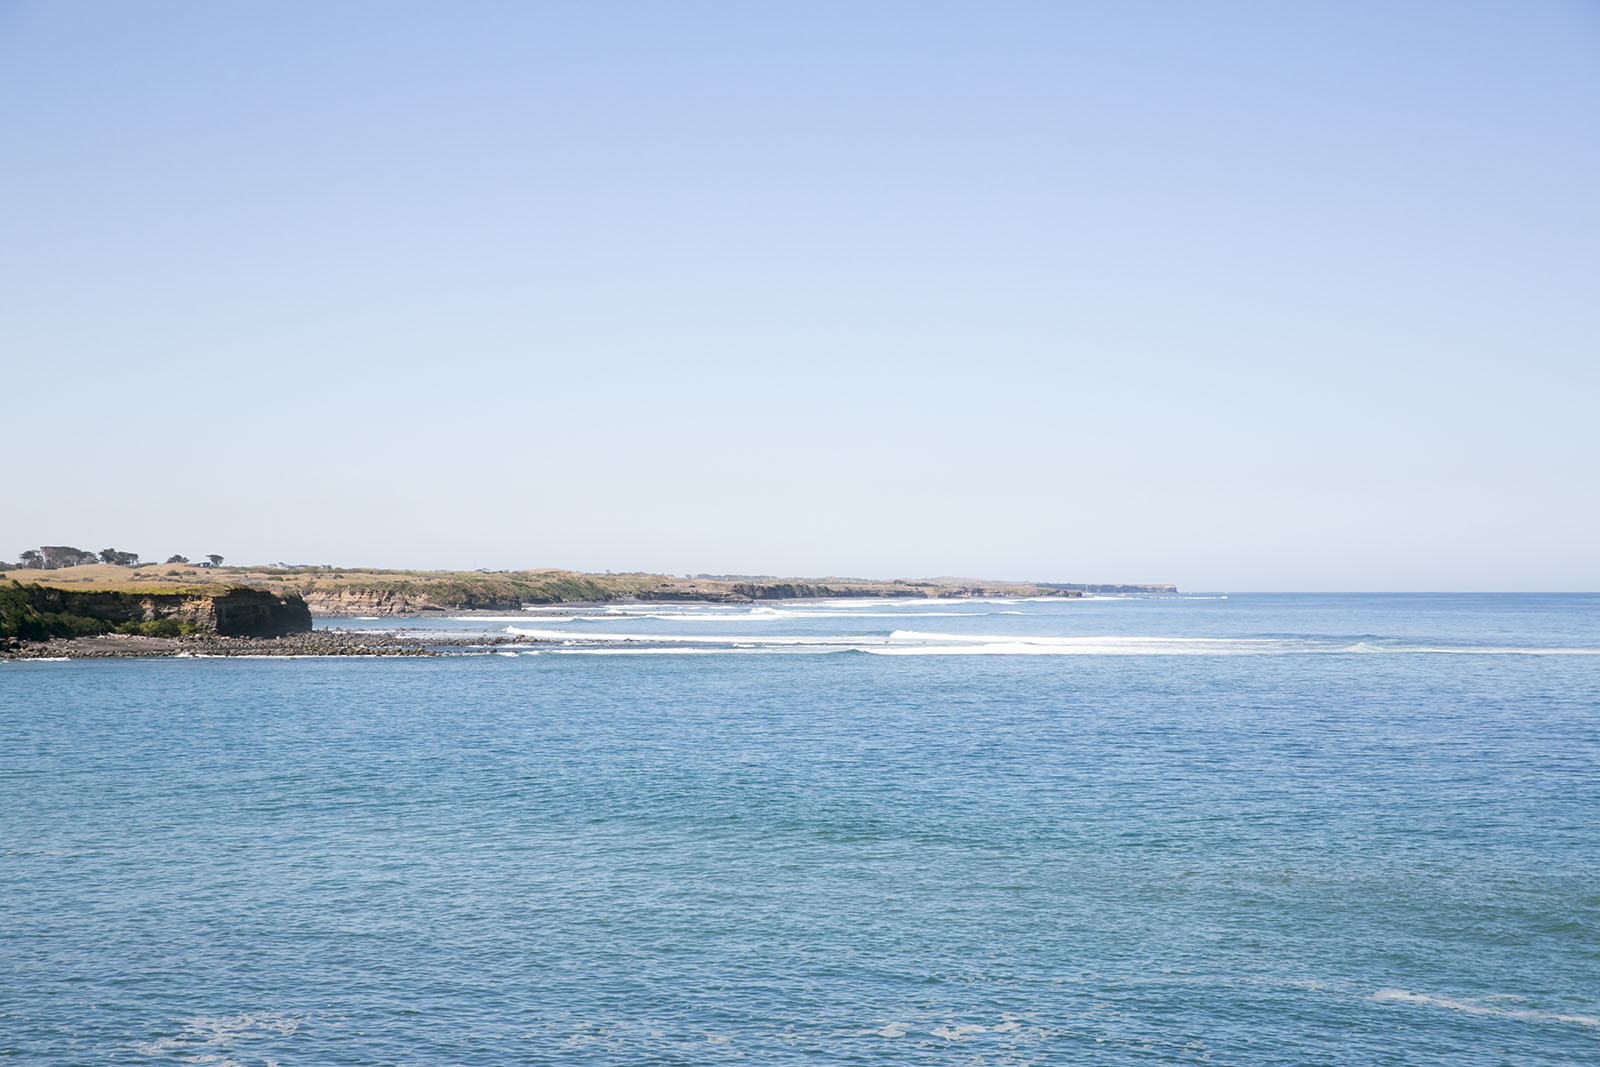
[230, 612]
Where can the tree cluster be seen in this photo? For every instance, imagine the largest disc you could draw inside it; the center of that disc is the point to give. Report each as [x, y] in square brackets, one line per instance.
[54, 557]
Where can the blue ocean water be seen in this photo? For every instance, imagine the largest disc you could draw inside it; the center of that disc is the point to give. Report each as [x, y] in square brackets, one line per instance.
[1254, 830]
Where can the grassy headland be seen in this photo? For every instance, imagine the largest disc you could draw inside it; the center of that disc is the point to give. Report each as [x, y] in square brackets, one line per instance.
[367, 591]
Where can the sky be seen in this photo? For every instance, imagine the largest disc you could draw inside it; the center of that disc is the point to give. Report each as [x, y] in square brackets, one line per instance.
[1235, 295]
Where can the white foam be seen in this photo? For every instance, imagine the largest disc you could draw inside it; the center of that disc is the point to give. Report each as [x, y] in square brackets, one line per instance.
[708, 611]
[906, 642]
[775, 615]
[205, 1036]
[877, 614]
[506, 618]
[934, 643]
[911, 642]
[1471, 650]
[760, 614]
[1478, 1007]
[569, 638]
[659, 650]
[844, 605]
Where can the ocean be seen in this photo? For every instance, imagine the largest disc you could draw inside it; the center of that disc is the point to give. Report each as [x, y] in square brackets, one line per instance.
[1256, 829]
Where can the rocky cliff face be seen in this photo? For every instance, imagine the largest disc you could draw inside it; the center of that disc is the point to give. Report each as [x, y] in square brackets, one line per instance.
[422, 597]
[808, 591]
[1092, 588]
[256, 613]
[236, 612]
[351, 600]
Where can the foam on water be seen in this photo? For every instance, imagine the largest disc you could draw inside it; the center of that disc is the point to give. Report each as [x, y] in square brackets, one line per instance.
[214, 1039]
[933, 643]
[568, 638]
[1494, 1006]
[1463, 650]
[664, 650]
[777, 614]
[510, 618]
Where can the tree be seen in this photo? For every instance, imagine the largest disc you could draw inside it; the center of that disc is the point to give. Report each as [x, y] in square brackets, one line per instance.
[32, 559]
[177, 559]
[216, 560]
[119, 558]
[65, 556]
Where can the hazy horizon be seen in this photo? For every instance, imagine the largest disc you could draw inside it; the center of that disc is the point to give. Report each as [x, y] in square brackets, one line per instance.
[1241, 297]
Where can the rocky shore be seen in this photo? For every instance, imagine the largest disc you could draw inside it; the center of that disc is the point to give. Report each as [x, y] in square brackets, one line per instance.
[312, 643]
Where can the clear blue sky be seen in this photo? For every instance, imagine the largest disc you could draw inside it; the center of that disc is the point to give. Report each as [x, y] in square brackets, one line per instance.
[1234, 295]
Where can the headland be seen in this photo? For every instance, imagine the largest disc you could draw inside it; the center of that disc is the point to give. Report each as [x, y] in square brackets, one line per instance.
[105, 609]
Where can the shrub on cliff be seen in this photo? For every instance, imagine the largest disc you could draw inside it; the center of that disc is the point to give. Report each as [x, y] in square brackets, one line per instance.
[158, 628]
[20, 618]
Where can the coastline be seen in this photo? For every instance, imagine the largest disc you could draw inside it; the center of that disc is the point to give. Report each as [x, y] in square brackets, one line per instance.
[285, 628]
[341, 642]
[330, 591]
[291, 646]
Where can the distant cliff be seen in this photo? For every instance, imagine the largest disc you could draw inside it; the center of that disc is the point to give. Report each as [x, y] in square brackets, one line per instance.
[1092, 588]
[369, 591]
[35, 612]
[418, 593]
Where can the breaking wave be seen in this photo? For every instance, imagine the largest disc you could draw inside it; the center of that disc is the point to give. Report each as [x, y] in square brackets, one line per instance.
[927, 643]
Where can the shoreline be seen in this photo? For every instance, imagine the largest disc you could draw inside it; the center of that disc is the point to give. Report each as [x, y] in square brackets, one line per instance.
[333, 641]
[602, 607]
[373, 591]
[292, 646]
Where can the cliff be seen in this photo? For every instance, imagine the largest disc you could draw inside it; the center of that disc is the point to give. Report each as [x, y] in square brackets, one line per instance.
[418, 594]
[36, 611]
[1092, 588]
[356, 600]
[370, 591]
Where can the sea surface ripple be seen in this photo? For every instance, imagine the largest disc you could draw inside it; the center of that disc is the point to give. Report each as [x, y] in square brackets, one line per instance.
[1356, 830]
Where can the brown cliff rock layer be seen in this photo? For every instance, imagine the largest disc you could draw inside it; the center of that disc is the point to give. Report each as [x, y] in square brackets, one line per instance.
[235, 612]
